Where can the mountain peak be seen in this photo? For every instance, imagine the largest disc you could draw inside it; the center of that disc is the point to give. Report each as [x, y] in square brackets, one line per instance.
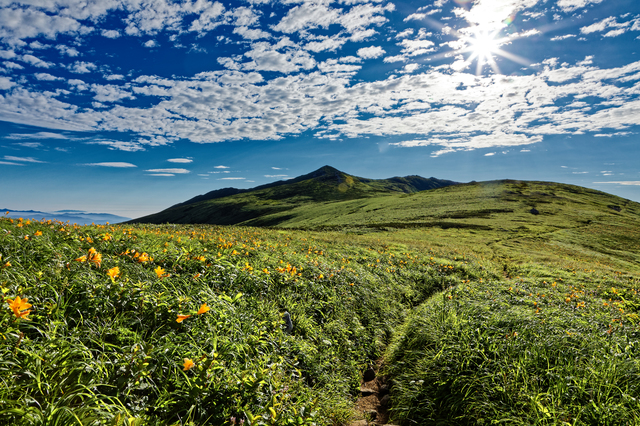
[257, 206]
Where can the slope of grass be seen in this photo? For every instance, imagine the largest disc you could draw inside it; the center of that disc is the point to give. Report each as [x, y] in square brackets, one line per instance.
[483, 312]
[101, 343]
[270, 204]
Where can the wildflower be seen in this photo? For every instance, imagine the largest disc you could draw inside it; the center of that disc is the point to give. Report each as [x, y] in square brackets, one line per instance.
[188, 364]
[182, 317]
[81, 259]
[204, 308]
[144, 257]
[37, 233]
[265, 270]
[113, 273]
[20, 307]
[160, 272]
[94, 257]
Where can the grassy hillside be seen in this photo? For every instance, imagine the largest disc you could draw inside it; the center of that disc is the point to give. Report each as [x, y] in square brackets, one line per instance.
[500, 302]
[271, 204]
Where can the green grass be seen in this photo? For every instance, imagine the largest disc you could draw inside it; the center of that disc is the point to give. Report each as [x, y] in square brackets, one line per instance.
[482, 312]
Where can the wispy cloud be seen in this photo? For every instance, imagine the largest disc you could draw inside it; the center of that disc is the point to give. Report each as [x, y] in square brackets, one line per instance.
[115, 164]
[221, 167]
[38, 135]
[232, 178]
[22, 159]
[172, 171]
[624, 182]
[180, 160]
[34, 145]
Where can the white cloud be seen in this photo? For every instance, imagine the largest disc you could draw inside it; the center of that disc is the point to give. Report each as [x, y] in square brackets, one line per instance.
[22, 159]
[69, 51]
[416, 47]
[12, 65]
[34, 145]
[118, 165]
[571, 5]
[38, 135]
[115, 145]
[370, 52]
[150, 44]
[251, 33]
[9, 163]
[221, 167]
[563, 37]
[284, 57]
[625, 182]
[172, 171]
[110, 93]
[110, 33]
[36, 62]
[415, 17]
[80, 67]
[232, 178]
[6, 83]
[275, 176]
[409, 68]
[46, 77]
[112, 77]
[396, 58]
[180, 160]
[326, 44]
[7, 54]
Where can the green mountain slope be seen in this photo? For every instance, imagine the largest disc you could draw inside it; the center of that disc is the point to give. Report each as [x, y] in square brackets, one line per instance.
[269, 205]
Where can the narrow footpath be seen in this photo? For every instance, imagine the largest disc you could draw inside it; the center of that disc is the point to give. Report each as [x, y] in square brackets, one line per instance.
[374, 400]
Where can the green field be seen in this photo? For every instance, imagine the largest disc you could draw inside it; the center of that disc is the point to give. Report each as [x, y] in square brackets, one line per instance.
[487, 303]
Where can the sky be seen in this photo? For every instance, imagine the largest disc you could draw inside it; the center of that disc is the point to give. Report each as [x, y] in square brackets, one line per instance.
[130, 106]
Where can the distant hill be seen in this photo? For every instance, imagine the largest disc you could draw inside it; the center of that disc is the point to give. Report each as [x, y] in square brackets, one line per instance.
[72, 216]
[271, 204]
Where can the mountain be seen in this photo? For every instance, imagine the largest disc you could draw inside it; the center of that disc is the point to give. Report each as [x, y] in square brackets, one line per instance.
[72, 216]
[271, 204]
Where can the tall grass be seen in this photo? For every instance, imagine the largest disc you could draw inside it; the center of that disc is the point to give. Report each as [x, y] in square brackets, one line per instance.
[118, 331]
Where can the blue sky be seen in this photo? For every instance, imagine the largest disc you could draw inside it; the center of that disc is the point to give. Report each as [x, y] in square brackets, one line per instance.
[130, 106]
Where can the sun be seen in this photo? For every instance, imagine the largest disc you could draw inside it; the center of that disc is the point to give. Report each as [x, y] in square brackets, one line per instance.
[483, 45]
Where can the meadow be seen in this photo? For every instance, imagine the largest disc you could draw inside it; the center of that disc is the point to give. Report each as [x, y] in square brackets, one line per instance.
[535, 323]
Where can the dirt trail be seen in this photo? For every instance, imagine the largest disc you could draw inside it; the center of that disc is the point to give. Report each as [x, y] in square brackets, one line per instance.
[374, 400]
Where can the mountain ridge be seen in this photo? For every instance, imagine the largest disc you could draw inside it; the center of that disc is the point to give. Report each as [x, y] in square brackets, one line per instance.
[229, 206]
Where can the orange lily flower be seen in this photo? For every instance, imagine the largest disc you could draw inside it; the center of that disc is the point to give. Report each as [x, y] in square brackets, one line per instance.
[188, 364]
[113, 273]
[204, 308]
[182, 317]
[18, 307]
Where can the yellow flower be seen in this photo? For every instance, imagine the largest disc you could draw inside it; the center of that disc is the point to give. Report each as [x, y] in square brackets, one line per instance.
[94, 257]
[18, 307]
[159, 272]
[37, 234]
[182, 317]
[113, 273]
[204, 308]
[188, 364]
[81, 259]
